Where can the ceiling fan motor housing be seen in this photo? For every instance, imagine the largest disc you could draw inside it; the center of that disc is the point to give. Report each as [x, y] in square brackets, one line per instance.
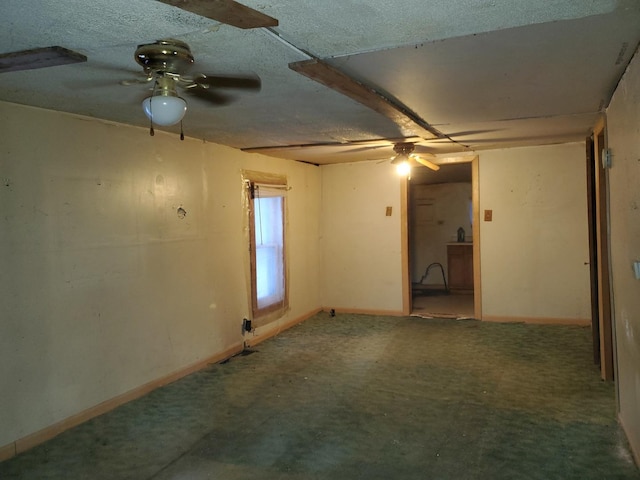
[165, 56]
[166, 61]
[403, 148]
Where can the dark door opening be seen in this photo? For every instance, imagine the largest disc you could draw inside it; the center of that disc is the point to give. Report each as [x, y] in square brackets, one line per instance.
[440, 237]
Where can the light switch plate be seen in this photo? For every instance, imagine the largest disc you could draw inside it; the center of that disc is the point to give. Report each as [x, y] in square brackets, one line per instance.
[636, 270]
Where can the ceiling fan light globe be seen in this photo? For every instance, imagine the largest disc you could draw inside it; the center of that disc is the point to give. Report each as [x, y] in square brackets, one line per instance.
[403, 168]
[164, 110]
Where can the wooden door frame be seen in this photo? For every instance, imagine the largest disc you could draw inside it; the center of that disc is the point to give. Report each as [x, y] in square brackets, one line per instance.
[404, 247]
[593, 257]
[475, 202]
[404, 240]
[602, 254]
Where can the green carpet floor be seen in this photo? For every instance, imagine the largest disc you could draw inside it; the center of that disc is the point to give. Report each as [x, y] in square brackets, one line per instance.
[364, 397]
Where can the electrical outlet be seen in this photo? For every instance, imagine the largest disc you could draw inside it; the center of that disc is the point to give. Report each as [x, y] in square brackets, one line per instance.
[388, 211]
[246, 325]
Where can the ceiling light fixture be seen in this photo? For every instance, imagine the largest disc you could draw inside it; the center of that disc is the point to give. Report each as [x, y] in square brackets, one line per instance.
[405, 158]
[164, 107]
[403, 167]
[402, 158]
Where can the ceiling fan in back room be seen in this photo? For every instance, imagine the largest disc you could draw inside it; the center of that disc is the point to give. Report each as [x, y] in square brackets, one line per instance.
[404, 158]
[369, 95]
[401, 152]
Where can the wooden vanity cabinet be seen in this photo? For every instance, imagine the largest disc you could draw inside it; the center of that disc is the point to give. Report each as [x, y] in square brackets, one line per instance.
[460, 267]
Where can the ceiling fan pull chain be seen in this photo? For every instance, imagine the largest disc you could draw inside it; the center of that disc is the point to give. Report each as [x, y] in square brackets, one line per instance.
[151, 132]
[181, 131]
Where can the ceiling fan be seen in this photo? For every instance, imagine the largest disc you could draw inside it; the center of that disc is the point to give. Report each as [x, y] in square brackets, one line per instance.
[167, 63]
[403, 149]
[405, 158]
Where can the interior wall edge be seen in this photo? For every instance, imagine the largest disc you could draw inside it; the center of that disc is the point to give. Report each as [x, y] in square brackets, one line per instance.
[477, 268]
[23, 444]
[579, 322]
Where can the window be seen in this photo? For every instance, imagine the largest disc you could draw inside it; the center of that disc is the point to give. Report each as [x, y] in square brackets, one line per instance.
[267, 247]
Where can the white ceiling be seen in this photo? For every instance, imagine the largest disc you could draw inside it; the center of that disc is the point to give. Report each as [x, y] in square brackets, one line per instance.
[486, 73]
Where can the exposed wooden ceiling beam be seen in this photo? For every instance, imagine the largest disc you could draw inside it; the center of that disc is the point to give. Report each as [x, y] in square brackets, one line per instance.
[39, 58]
[345, 145]
[225, 11]
[333, 78]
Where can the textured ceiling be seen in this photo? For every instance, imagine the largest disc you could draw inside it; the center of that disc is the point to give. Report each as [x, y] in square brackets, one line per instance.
[487, 73]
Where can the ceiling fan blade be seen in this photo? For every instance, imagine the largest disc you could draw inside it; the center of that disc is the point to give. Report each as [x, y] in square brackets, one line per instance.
[225, 11]
[247, 82]
[136, 81]
[39, 58]
[472, 132]
[387, 142]
[440, 141]
[364, 148]
[210, 96]
[271, 148]
[388, 159]
[344, 146]
[425, 162]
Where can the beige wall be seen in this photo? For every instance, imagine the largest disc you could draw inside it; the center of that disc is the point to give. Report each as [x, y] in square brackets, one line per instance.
[103, 286]
[623, 119]
[361, 254]
[534, 252]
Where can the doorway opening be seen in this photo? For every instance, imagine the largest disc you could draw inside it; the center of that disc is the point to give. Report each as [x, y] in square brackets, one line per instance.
[441, 220]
